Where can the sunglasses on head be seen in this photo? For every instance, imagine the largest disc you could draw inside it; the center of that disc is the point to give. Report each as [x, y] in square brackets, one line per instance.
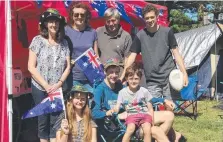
[79, 14]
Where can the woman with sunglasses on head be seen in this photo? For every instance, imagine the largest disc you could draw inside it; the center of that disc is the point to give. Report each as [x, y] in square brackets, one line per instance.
[49, 65]
[78, 127]
[81, 35]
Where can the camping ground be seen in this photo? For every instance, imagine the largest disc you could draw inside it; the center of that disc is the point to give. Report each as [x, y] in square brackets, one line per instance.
[207, 127]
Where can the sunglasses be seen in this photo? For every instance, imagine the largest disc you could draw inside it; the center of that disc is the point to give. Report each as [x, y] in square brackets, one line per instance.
[79, 14]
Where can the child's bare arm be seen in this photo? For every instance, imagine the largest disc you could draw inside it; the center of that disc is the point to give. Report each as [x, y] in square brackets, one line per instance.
[151, 112]
[117, 107]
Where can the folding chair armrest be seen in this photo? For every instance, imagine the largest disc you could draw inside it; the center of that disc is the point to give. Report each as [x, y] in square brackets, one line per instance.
[202, 90]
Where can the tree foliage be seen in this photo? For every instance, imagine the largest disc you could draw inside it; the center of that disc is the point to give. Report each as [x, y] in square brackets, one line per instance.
[180, 22]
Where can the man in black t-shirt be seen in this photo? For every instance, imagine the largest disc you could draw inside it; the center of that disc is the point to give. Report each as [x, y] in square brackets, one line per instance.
[157, 44]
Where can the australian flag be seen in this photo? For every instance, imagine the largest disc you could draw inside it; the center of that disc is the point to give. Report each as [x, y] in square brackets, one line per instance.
[91, 66]
[53, 103]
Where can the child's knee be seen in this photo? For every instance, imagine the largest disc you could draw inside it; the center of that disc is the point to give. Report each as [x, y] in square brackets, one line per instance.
[146, 128]
[130, 128]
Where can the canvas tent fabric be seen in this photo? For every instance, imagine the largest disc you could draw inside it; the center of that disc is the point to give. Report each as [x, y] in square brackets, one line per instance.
[200, 49]
[195, 44]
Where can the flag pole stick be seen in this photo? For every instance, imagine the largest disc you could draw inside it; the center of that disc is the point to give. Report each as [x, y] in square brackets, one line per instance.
[64, 107]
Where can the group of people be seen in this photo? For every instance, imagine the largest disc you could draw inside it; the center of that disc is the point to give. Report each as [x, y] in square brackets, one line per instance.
[52, 57]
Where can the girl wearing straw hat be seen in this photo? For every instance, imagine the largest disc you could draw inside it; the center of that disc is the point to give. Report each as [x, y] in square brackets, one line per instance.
[77, 125]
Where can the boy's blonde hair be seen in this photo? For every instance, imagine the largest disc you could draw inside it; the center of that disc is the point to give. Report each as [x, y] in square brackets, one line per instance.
[111, 12]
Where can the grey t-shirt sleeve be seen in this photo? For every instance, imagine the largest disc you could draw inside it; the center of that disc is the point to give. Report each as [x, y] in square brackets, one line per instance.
[128, 43]
[136, 45]
[95, 35]
[172, 40]
[34, 45]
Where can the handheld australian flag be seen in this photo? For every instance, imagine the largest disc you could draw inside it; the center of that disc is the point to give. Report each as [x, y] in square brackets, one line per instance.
[53, 103]
[91, 66]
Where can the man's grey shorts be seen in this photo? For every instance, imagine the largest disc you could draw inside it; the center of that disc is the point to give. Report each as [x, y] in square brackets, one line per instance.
[164, 91]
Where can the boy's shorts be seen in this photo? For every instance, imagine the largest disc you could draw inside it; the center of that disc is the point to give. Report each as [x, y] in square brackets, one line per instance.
[138, 119]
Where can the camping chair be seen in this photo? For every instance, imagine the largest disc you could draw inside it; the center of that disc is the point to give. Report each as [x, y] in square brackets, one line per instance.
[113, 130]
[189, 96]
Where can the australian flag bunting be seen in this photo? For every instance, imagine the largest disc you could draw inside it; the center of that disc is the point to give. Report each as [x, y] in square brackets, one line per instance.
[123, 13]
[91, 66]
[99, 6]
[138, 11]
[53, 103]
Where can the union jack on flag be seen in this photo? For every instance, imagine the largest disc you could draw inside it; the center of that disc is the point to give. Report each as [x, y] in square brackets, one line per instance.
[53, 103]
[91, 66]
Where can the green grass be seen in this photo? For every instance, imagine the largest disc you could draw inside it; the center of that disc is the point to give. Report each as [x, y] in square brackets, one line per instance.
[207, 128]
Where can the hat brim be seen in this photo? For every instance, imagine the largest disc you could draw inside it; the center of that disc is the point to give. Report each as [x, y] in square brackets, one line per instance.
[90, 95]
[112, 64]
[88, 90]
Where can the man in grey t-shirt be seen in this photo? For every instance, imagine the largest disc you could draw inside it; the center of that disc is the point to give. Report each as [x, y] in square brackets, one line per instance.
[113, 41]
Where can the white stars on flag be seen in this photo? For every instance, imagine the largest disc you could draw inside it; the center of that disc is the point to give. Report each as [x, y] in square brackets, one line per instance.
[85, 64]
[53, 106]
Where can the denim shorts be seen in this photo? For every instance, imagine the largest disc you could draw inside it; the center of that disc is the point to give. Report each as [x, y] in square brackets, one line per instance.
[47, 121]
